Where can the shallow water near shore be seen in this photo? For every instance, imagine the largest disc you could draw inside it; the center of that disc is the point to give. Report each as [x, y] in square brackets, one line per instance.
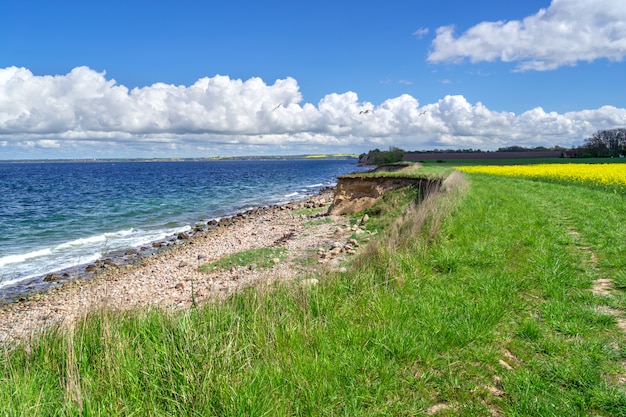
[59, 216]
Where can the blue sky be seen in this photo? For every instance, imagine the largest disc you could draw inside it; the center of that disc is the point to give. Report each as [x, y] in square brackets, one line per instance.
[83, 79]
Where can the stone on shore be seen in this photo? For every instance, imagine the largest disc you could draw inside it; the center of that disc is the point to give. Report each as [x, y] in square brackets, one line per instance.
[53, 278]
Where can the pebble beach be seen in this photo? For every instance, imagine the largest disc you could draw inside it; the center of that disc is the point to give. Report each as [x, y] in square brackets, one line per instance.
[170, 279]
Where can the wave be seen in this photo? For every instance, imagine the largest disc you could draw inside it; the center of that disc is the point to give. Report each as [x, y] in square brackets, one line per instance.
[44, 266]
[12, 259]
[103, 238]
[20, 267]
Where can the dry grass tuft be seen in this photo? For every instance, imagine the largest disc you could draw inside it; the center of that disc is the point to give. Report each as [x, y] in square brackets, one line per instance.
[426, 216]
[418, 225]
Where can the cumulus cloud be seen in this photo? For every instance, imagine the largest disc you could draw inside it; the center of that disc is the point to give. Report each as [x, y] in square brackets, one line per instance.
[567, 32]
[84, 113]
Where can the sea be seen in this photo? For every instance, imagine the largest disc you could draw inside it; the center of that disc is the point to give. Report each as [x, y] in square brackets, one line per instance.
[56, 216]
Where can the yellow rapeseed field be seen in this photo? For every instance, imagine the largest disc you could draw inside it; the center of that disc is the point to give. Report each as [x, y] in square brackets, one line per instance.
[608, 176]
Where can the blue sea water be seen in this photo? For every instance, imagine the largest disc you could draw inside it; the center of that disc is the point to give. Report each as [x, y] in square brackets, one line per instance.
[55, 216]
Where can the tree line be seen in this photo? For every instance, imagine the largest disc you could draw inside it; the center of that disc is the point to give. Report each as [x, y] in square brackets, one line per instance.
[377, 157]
[604, 143]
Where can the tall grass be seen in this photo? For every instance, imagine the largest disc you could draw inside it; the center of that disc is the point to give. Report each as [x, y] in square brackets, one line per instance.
[476, 301]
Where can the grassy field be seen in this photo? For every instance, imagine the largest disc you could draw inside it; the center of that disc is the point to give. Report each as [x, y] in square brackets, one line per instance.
[475, 302]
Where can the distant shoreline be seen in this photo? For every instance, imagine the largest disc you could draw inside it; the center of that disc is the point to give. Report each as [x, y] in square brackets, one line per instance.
[216, 158]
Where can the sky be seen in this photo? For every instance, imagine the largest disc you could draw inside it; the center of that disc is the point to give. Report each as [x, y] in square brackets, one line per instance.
[155, 79]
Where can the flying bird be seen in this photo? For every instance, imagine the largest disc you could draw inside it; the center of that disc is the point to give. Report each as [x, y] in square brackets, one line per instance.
[364, 111]
[276, 107]
[423, 113]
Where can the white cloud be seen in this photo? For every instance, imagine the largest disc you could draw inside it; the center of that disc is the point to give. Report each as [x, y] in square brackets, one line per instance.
[47, 143]
[421, 32]
[83, 113]
[567, 32]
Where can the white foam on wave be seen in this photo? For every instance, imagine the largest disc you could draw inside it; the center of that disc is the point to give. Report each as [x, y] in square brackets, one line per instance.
[12, 259]
[46, 266]
[20, 267]
[292, 194]
[81, 242]
[91, 240]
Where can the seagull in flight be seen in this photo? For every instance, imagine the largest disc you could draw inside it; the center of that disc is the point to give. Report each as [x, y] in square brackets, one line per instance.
[364, 111]
[276, 107]
[423, 113]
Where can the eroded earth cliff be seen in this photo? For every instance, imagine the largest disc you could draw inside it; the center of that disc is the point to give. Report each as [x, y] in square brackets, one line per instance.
[357, 193]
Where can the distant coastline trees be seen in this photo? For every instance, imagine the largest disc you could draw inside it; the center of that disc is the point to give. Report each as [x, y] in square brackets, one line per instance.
[377, 157]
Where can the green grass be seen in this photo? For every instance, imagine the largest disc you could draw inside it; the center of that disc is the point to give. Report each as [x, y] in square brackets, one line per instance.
[317, 222]
[257, 257]
[476, 298]
[409, 169]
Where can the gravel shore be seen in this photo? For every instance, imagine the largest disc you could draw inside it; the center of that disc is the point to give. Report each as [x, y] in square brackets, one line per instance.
[166, 279]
